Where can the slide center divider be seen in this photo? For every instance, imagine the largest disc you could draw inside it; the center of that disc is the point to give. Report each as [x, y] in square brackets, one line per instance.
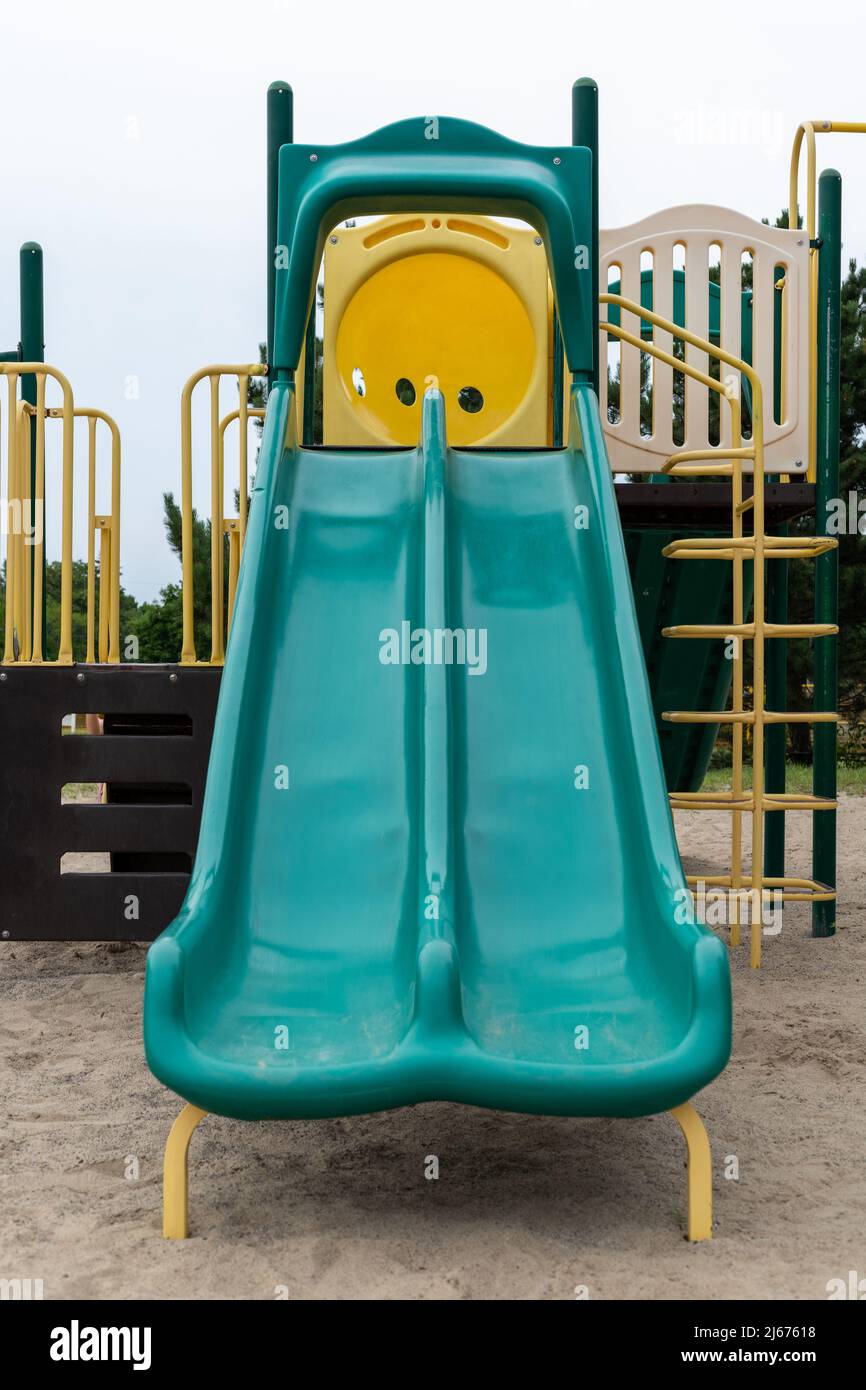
[438, 1004]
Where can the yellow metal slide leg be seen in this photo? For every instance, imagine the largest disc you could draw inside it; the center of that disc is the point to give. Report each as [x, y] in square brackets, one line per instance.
[175, 1224]
[700, 1172]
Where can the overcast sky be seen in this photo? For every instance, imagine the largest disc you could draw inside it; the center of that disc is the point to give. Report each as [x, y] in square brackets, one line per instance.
[135, 154]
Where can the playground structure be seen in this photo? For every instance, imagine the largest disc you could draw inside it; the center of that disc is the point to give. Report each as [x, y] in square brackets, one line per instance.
[463, 1006]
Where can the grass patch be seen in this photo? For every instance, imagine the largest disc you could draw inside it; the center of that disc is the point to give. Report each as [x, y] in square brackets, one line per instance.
[798, 779]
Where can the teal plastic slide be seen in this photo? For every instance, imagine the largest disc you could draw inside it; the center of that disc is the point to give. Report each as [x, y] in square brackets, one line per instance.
[436, 857]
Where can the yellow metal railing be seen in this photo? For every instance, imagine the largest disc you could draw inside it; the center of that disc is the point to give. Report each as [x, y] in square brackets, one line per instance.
[236, 528]
[103, 641]
[808, 130]
[737, 549]
[23, 637]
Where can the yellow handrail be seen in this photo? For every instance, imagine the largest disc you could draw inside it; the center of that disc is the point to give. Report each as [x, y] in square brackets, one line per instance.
[109, 542]
[730, 463]
[13, 371]
[23, 637]
[214, 374]
[236, 529]
[737, 548]
[809, 129]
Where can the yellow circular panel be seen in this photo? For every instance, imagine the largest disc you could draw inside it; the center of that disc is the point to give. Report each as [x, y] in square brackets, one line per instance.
[435, 318]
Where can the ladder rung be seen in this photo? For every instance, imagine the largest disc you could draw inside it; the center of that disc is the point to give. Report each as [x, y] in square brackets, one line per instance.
[710, 630]
[710, 801]
[802, 890]
[770, 801]
[722, 630]
[797, 801]
[772, 716]
[709, 716]
[723, 547]
[800, 629]
[677, 552]
[798, 552]
[798, 890]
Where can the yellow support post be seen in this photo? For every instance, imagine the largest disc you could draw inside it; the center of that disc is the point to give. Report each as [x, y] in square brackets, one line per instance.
[737, 675]
[64, 655]
[39, 548]
[700, 1172]
[26, 576]
[91, 543]
[236, 529]
[217, 641]
[233, 531]
[243, 464]
[103, 525]
[175, 1173]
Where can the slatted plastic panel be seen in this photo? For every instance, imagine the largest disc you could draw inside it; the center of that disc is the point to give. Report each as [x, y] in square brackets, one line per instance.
[697, 229]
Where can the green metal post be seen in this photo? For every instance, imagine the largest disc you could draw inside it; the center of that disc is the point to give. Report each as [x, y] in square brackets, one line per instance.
[32, 313]
[32, 349]
[827, 566]
[280, 132]
[776, 735]
[584, 131]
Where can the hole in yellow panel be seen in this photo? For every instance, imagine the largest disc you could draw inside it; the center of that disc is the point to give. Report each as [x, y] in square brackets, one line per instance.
[747, 269]
[414, 224]
[780, 331]
[647, 262]
[714, 317]
[680, 299]
[470, 399]
[614, 352]
[458, 224]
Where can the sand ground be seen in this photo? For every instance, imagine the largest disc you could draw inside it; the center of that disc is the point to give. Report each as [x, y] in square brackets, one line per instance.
[523, 1207]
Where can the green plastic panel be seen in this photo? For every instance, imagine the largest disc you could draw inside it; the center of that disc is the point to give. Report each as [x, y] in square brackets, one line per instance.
[426, 163]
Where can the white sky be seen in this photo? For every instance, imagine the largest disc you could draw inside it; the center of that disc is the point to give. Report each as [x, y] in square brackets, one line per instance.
[154, 247]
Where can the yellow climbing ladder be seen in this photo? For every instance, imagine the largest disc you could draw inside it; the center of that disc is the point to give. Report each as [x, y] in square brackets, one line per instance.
[738, 548]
